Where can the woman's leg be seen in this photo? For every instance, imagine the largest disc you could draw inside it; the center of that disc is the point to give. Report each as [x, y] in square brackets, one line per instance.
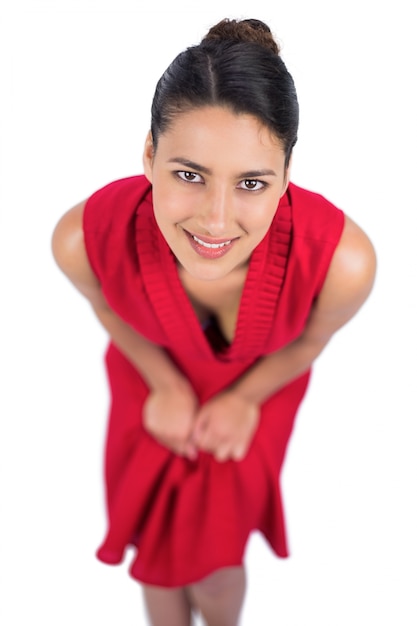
[220, 596]
[167, 607]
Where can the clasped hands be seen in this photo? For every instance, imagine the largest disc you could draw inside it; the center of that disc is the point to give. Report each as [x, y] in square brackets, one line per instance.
[223, 426]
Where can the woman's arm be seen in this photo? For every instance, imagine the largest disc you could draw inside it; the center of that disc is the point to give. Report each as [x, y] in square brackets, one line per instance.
[226, 424]
[169, 388]
[348, 284]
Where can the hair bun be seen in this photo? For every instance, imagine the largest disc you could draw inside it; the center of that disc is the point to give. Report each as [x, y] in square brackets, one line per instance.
[252, 31]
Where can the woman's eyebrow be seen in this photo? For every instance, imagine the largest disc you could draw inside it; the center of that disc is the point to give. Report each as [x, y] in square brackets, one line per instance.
[192, 165]
[256, 173]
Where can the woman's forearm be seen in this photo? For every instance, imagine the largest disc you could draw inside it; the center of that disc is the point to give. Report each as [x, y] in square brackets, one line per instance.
[274, 371]
[151, 361]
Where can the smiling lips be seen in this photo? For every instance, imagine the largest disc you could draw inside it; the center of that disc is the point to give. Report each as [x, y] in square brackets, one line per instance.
[213, 249]
[211, 245]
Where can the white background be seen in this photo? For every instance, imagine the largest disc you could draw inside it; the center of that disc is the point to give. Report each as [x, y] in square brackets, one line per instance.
[77, 78]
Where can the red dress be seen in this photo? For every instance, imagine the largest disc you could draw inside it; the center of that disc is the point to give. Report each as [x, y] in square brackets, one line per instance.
[189, 518]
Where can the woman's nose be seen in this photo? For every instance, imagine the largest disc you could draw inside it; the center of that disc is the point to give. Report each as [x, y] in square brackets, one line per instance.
[217, 211]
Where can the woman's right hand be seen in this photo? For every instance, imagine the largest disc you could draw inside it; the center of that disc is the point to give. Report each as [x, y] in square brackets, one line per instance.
[171, 407]
[169, 415]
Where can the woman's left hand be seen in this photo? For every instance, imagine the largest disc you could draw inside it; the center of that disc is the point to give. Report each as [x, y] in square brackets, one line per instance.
[225, 426]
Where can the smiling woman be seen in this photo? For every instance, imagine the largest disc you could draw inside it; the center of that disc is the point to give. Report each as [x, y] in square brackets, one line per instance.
[222, 205]
[219, 282]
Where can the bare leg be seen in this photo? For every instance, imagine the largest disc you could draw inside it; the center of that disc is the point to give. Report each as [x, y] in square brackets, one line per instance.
[167, 607]
[220, 596]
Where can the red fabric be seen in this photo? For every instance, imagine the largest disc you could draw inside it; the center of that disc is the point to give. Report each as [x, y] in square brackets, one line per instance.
[188, 518]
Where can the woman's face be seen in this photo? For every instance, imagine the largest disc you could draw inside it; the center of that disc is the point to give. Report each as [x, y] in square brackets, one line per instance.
[217, 179]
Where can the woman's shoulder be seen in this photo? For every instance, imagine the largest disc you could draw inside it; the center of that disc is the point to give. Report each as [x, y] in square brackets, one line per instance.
[348, 260]
[98, 230]
[354, 262]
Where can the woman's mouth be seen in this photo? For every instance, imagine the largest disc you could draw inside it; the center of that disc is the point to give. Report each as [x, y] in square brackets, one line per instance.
[221, 244]
[210, 248]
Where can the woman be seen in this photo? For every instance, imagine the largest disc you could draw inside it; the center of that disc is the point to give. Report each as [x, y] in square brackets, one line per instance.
[219, 282]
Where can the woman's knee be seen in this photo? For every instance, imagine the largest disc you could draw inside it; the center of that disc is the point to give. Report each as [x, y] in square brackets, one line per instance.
[167, 606]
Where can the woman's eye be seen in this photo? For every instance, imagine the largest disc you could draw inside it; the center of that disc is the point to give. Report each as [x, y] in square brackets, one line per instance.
[190, 177]
[251, 184]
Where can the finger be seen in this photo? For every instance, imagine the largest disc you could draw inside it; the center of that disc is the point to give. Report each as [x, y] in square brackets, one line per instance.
[175, 445]
[203, 438]
[210, 443]
[205, 444]
[190, 451]
[200, 428]
[222, 454]
[239, 454]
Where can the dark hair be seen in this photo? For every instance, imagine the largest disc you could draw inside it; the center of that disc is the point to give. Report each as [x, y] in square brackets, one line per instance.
[237, 65]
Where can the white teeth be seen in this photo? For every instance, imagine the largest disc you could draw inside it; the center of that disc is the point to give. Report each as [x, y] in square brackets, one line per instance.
[211, 245]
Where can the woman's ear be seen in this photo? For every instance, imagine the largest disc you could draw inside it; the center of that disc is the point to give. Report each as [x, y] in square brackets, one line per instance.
[287, 176]
[148, 154]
